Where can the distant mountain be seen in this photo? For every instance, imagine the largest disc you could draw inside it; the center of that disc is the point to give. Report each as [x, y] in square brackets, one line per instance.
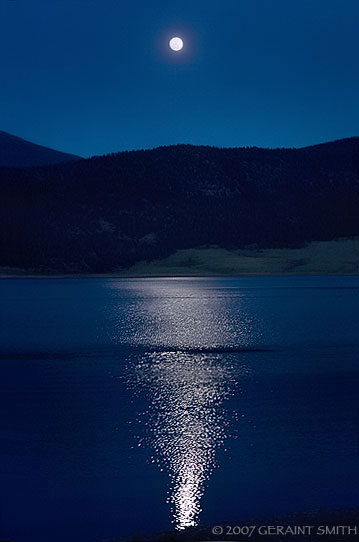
[16, 152]
[102, 213]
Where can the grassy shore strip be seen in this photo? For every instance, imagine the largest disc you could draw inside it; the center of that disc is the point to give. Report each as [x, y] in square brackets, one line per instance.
[340, 256]
[326, 257]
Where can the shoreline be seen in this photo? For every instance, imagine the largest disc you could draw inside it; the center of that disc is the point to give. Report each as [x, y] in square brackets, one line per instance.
[171, 276]
[336, 257]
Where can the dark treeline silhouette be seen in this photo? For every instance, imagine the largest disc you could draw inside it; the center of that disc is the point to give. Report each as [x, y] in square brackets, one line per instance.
[107, 212]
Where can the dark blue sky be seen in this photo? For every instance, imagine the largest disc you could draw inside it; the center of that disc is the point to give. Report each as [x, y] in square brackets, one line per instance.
[96, 76]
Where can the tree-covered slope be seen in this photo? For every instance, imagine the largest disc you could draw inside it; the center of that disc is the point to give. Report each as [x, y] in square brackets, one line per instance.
[102, 213]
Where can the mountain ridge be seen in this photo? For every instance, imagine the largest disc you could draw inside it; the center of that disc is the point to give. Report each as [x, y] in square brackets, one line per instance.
[18, 152]
[72, 157]
[351, 139]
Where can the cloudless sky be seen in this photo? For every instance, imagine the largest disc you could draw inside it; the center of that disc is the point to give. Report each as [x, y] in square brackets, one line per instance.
[97, 76]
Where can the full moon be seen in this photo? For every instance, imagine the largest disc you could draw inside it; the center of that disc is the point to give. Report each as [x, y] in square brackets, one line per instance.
[176, 44]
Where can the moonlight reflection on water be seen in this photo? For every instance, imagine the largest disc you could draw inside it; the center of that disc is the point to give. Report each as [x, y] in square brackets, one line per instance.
[186, 421]
[185, 329]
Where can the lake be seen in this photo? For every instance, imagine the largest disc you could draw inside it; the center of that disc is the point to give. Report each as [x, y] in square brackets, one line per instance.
[137, 406]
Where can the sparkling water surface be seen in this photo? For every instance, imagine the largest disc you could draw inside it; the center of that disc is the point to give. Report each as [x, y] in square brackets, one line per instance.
[136, 406]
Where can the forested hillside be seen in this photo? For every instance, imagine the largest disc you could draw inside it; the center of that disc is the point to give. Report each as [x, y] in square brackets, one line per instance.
[99, 214]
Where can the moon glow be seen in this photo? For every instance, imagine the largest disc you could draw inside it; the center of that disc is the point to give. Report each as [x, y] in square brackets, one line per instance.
[176, 44]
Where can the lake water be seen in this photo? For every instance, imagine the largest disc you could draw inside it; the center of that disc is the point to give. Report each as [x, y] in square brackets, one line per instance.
[136, 406]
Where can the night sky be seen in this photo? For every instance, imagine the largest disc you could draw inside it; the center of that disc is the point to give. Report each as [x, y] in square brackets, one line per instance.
[97, 76]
